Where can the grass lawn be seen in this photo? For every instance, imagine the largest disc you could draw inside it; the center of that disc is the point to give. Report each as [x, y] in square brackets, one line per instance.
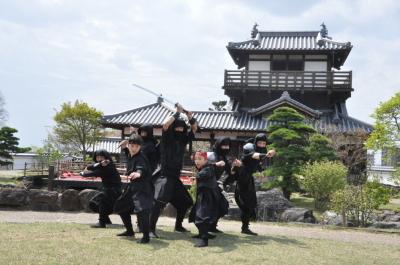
[58, 243]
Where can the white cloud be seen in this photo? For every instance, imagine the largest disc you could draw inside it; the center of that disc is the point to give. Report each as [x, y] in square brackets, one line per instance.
[57, 51]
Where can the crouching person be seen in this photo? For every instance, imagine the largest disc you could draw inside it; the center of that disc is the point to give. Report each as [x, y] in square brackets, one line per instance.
[138, 195]
[103, 203]
[205, 212]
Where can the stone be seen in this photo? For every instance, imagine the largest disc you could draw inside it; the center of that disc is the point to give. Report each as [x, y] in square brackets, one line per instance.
[296, 214]
[386, 225]
[331, 218]
[69, 200]
[84, 198]
[13, 197]
[271, 204]
[43, 200]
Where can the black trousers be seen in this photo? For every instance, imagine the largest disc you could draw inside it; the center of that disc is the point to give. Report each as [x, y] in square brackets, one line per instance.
[143, 221]
[173, 191]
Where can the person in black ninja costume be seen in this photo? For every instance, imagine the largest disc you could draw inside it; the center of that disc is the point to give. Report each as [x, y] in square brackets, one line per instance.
[206, 210]
[150, 147]
[104, 168]
[139, 190]
[221, 150]
[245, 192]
[168, 187]
[260, 143]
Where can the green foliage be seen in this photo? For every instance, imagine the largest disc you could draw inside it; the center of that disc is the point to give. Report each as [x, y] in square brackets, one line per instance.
[193, 191]
[357, 203]
[48, 155]
[9, 145]
[321, 179]
[289, 137]
[78, 125]
[320, 148]
[387, 130]
[387, 124]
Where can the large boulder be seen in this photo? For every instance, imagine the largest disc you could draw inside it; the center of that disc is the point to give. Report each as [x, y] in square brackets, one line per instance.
[43, 200]
[84, 198]
[331, 218]
[271, 204]
[386, 225]
[69, 200]
[13, 197]
[295, 214]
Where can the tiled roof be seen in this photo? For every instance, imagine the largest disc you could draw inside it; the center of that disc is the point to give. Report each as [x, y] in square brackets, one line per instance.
[109, 144]
[226, 120]
[309, 40]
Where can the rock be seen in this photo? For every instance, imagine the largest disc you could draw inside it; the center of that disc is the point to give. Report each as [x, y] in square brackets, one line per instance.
[11, 186]
[271, 204]
[169, 211]
[69, 200]
[43, 200]
[394, 218]
[233, 213]
[84, 198]
[331, 218]
[386, 225]
[385, 215]
[298, 215]
[13, 197]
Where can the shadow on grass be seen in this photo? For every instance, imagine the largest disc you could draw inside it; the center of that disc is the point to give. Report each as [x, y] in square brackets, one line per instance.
[224, 242]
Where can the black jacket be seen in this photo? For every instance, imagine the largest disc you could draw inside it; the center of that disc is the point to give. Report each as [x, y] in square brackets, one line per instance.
[206, 178]
[109, 175]
[173, 150]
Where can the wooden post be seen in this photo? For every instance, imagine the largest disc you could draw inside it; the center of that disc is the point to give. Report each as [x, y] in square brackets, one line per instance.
[50, 184]
[25, 169]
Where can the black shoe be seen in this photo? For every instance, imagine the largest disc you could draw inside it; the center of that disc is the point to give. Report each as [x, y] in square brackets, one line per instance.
[247, 231]
[127, 233]
[203, 242]
[99, 225]
[209, 236]
[143, 240]
[215, 230]
[153, 235]
[181, 229]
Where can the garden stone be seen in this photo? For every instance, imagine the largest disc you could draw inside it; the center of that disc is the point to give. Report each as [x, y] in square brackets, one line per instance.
[13, 197]
[84, 198]
[69, 200]
[271, 204]
[298, 215]
[43, 200]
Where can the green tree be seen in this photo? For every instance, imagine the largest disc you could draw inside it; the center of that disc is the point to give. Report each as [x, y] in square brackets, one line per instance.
[386, 134]
[78, 125]
[9, 145]
[289, 137]
[320, 148]
[321, 179]
[218, 105]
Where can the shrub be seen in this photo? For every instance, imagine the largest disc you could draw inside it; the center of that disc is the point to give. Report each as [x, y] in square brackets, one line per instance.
[322, 179]
[357, 203]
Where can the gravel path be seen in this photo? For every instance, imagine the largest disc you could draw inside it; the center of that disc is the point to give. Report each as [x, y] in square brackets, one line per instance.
[266, 229]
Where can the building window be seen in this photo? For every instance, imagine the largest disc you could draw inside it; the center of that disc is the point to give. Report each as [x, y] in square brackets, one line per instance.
[287, 63]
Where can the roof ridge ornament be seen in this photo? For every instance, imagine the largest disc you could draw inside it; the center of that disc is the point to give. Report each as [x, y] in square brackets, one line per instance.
[254, 31]
[324, 31]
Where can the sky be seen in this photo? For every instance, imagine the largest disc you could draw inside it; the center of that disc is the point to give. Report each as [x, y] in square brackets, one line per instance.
[55, 51]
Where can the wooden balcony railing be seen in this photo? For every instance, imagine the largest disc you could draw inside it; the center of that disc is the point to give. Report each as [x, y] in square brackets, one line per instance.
[288, 80]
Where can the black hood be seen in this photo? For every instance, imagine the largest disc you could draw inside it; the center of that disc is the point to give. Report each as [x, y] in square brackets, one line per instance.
[260, 137]
[102, 152]
[179, 122]
[219, 142]
[148, 128]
